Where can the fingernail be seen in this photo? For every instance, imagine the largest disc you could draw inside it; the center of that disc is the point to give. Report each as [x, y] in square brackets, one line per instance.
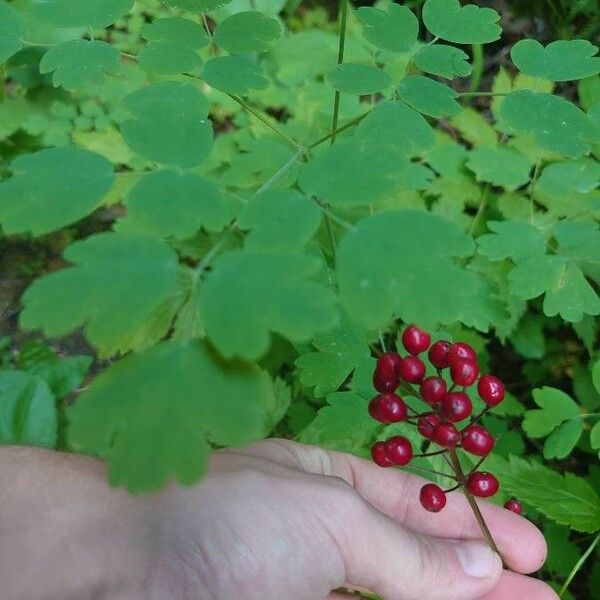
[477, 559]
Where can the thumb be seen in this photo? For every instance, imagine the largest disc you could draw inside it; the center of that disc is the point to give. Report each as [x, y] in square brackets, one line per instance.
[395, 563]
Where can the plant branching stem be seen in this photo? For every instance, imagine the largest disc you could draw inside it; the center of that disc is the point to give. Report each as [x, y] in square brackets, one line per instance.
[578, 565]
[341, 48]
[483, 202]
[341, 128]
[477, 69]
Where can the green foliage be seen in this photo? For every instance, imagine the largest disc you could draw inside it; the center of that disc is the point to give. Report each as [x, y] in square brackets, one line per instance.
[428, 96]
[249, 31]
[358, 79]
[396, 29]
[91, 13]
[442, 60]
[10, 31]
[236, 74]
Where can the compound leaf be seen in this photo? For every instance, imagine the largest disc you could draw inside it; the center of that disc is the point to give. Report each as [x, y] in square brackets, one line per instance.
[53, 188]
[374, 290]
[249, 294]
[396, 29]
[429, 97]
[152, 414]
[442, 60]
[555, 408]
[237, 74]
[11, 30]
[517, 240]
[248, 31]
[91, 13]
[280, 219]
[78, 64]
[500, 166]
[358, 79]
[181, 137]
[123, 289]
[555, 123]
[27, 410]
[468, 24]
[563, 60]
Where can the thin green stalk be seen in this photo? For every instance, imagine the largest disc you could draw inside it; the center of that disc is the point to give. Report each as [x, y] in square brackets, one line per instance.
[531, 188]
[483, 202]
[477, 67]
[341, 128]
[341, 48]
[263, 119]
[578, 565]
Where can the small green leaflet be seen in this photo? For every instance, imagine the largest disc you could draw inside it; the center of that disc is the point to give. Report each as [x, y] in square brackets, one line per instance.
[338, 353]
[564, 60]
[181, 138]
[566, 499]
[88, 13]
[429, 97]
[197, 6]
[250, 294]
[500, 166]
[374, 290]
[78, 64]
[150, 414]
[566, 290]
[279, 219]
[569, 178]
[555, 123]
[468, 24]
[124, 289]
[442, 60]
[396, 29]
[53, 188]
[528, 339]
[170, 203]
[27, 410]
[396, 127]
[578, 240]
[559, 417]
[248, 31]
[11, 30]
[237, 74]
[516, 240]
[358, 79]
[173, 46]
[475, 128]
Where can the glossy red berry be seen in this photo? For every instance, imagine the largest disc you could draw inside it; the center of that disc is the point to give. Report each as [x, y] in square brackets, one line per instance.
[412, 369]
[388, 408]
[388, 364]
[433, 389]
[379, 456]
[464, 371]
[482, 484]
[456, 406]
[438, 354]
[415, 340]
[398, 450]
[514, 506]
[446, 435]
[384, 384]
[427, 425]
[433, 497]
[477, 440]
[491, 390]
[461, 350]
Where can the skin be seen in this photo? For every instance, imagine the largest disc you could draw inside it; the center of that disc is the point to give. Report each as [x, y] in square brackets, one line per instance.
[273, 521]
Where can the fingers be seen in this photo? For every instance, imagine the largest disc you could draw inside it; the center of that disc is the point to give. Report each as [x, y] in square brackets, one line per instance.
[397, 564]
[513, 585]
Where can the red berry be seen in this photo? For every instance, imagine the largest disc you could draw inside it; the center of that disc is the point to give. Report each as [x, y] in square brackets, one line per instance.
[427, 424]
[514, 506]
[398, 450]
[388, 408]
[415, 340]
[464, 371]
[461, 350]
[477, 440]
[412, 369]
[482, 484]
[433, 389]
[378, 455]
[491, 390]
[456, 406]
[384, 384]
[438, 354]
[433, 497]
[388, 364]
[446, 435]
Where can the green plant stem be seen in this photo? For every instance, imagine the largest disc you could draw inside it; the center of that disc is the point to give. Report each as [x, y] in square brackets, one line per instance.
[531, 188]
[431, 472]
[483, 202]
[341, 48]
[477, 68]
[578, 565]
[263, 119]
[341, 128]
[456, 466]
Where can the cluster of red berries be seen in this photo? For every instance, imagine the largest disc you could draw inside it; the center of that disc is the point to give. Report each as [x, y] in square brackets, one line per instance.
[447, 403]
